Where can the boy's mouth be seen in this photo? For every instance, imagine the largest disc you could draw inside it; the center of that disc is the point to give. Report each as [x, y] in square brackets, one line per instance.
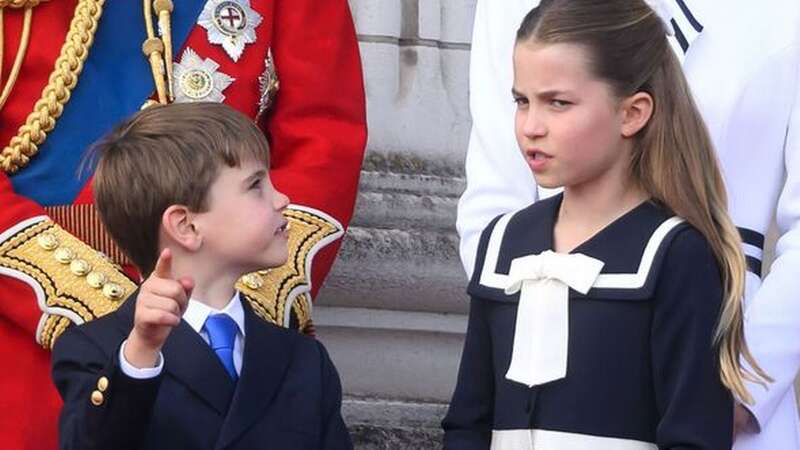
[283, 229]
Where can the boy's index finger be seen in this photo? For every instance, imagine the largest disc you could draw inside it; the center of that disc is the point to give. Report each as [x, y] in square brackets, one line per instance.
[163, 267]
[187, 283]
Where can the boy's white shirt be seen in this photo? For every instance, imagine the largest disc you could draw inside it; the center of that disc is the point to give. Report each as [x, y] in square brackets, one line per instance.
[195, 315]
[744, 70]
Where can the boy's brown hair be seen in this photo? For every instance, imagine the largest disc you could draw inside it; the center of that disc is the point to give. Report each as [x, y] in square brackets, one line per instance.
[166, 155]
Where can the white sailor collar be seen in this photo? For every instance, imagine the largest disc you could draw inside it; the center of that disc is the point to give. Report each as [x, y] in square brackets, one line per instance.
[631, 248]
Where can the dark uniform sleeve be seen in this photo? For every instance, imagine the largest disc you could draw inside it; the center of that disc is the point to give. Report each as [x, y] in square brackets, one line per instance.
[122, 407]
[334, 432]
[696, 410]
[469, 421]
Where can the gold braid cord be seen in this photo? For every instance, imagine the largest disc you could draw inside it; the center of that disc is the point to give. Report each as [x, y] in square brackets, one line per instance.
[20, 3]
[271, 292]
[62, 80]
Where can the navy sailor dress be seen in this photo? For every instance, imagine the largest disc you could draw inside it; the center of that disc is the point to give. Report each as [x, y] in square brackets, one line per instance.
[639, 369]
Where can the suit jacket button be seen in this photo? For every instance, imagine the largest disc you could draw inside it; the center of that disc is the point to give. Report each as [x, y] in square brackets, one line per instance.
[97, 398]
[102, 384]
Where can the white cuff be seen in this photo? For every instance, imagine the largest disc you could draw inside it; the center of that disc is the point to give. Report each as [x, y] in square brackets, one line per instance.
[134, 372]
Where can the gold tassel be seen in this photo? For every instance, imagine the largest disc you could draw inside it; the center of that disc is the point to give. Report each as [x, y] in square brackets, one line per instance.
[163, 10]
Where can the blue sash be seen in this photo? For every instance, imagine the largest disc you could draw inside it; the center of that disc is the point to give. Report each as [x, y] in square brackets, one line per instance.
[115, 82]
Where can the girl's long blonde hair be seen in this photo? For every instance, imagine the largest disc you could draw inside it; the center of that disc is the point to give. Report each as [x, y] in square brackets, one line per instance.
[673, 158]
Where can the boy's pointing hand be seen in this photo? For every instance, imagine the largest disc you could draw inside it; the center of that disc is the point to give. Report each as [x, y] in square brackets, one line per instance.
[161, 302]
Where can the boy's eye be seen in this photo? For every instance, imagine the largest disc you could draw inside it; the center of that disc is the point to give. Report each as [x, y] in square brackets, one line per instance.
[256, 184]
[520, 101]
[559, 103]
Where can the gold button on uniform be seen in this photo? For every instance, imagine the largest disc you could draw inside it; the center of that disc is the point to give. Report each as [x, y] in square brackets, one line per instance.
[80, 267]
[96, 279]
[64, 255]
[47, 241]
[113, 291]
[253, 281]
[97, 398]
[102, 384]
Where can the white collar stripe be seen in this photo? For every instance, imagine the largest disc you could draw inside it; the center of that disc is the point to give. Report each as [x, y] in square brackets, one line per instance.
[491, 279]
[489, 276]
[637, 280]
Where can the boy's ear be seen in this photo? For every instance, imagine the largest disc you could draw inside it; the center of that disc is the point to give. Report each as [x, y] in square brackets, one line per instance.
[177, 224]
[636, 113]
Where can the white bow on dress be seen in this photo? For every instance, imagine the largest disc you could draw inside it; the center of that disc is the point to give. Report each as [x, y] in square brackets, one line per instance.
[541, 336]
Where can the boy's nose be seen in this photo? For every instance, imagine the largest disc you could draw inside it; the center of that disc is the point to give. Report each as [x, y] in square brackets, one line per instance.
[280, 201]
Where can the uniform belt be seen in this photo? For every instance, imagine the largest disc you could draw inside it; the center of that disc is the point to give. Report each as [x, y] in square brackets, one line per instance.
[559, 440]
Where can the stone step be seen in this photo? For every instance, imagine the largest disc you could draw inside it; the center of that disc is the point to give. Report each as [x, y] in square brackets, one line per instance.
[379, 424]
[393, 355]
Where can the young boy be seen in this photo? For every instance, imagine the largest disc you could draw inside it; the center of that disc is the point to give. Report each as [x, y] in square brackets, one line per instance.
[185, 363]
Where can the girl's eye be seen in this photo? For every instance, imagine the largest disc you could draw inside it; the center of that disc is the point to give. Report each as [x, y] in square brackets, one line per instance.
[256, 184]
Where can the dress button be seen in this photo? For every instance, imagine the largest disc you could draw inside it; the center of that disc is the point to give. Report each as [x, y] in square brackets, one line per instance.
[97, 398]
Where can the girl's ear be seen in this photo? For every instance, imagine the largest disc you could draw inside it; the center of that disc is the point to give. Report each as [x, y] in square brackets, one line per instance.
[636, 112]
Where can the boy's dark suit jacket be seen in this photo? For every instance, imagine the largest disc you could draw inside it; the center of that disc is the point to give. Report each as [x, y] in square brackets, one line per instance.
[288, 395]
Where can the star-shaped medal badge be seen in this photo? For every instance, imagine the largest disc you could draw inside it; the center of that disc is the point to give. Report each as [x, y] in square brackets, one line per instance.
[230, 23]
[198, 80]
[268, 85]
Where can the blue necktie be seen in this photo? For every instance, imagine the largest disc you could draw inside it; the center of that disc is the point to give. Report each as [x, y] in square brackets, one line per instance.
[221, 335]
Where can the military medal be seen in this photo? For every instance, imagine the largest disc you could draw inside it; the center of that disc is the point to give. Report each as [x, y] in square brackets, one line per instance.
[268, 85]
[198, 80]
[230, 23]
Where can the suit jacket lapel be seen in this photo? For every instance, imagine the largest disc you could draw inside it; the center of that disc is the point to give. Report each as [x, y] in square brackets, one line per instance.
[189, 359]
[267, 354]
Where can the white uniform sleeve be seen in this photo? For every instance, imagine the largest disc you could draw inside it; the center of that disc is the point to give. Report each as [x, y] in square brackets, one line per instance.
[498, 180]
[772, 326]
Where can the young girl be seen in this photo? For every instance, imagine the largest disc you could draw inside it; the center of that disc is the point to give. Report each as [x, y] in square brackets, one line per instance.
[607, 317]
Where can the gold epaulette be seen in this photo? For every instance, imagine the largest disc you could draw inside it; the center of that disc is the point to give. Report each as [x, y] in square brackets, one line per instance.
[73, 282]
[280, 294]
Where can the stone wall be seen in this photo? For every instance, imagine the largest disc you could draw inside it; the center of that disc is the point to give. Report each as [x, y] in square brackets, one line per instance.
[392, 312]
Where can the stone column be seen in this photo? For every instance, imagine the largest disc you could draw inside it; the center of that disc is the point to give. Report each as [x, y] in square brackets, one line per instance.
[392, 312]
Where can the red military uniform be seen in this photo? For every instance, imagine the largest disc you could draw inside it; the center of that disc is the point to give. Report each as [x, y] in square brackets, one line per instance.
[315, 122]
